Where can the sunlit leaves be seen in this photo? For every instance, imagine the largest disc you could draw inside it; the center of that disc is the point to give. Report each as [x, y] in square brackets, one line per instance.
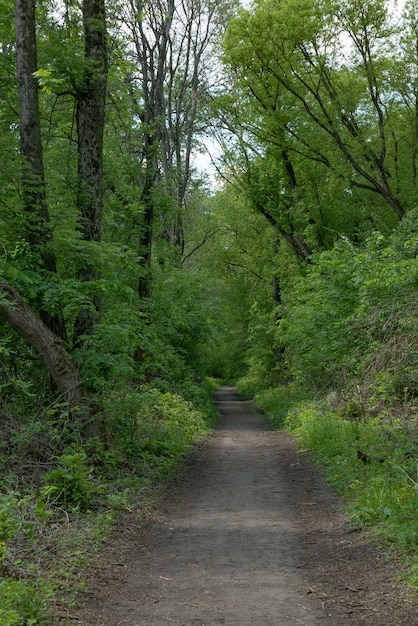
[46, 80]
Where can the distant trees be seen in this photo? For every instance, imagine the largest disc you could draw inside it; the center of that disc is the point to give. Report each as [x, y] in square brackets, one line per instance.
[170, 52]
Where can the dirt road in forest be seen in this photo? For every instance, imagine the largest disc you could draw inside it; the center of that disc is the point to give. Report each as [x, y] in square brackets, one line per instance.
[249, 535]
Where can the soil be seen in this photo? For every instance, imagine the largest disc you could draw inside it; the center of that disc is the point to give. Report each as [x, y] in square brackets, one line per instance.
[249, 534]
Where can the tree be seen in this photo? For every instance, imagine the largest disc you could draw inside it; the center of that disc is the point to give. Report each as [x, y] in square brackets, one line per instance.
[61, 367]
[169, 75]
[90, 114]
[313, 100]
[237, 269]
[152, 38]
[38, 232]
[37, 227]
[404, 77]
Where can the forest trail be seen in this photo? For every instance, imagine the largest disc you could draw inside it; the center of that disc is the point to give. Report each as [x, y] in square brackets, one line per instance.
[250, 535]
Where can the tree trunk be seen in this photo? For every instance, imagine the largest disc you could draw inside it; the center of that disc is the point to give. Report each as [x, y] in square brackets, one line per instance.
[31, 328]
[151, 24]
[145, 250]
[276, 286]
[37, 229]
[90, 113]
[58, 362]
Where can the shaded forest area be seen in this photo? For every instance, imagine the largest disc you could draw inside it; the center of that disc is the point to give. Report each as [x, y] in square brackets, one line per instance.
[132, 282]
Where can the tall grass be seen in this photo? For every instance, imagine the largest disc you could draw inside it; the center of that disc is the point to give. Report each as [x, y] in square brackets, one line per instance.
[372, 463]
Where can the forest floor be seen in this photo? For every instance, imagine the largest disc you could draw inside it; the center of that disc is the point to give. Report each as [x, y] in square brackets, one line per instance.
[248, 534]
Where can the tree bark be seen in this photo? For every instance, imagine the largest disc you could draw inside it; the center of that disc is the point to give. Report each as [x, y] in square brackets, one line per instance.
[152, 40]
[90, 114]
[91, 100]
[31, 328]
[62, 369]
[37, 229]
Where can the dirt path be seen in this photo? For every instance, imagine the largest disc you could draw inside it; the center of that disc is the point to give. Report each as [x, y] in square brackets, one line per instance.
[250, 536]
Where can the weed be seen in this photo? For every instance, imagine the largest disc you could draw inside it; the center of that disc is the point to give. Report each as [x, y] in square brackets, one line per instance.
[23, 602]
[370, 463]
[276, 402]
[71, 481]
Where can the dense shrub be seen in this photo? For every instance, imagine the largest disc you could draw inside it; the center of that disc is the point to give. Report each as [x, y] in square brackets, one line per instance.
[352, 318]
[153, 429]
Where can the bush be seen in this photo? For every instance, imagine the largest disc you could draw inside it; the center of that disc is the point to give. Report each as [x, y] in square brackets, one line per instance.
[155, 428]
[22, 603]
[276, 402]
[72, 481]
[352, 318]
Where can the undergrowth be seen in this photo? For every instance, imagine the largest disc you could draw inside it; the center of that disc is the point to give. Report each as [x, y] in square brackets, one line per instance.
[372, 463]
[58, 499]
[276, 402]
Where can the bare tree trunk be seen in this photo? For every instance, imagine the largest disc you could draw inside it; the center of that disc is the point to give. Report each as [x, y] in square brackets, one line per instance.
[91, 100]
[172, 44]
[152, 42]
[186, 82]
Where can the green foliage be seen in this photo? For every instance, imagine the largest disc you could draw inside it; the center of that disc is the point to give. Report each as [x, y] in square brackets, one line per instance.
[23, 603]
[71, 482]
[22, 520]
[381, 487]
[314, 326]
[155, 429]
[10, 521]
[277, 402]
[46, 80]
[225, 350]
[179, 326]
[297, 90]
[236, 269]
[354, 315]
[107, 355]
